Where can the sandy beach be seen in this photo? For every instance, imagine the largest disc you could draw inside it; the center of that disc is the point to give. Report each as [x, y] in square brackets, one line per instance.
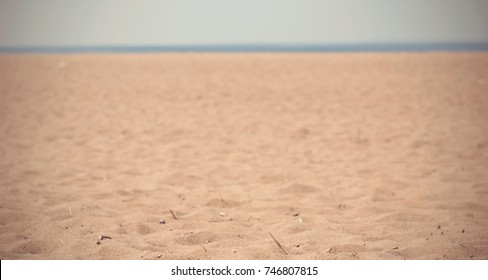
[210, 156]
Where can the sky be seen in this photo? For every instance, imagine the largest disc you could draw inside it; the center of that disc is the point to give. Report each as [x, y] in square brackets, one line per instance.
[65, 23]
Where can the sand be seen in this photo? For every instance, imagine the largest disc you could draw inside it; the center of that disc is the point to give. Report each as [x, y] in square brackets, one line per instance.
[338, 156]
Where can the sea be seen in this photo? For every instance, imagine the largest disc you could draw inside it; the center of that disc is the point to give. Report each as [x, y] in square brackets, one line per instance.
[384, 47]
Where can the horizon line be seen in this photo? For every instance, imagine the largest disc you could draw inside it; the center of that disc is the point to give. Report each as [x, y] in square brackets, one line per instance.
[350, 47]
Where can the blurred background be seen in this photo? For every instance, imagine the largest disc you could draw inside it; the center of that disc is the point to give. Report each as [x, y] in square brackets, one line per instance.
[196, 23]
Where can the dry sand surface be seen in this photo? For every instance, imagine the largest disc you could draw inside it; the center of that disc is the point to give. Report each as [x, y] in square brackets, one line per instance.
[338, 156]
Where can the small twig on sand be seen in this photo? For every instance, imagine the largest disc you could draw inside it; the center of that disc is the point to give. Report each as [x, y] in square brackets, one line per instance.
[281, 246]
[222, 201]
[204, 248]
[174, 216]
[102, 237]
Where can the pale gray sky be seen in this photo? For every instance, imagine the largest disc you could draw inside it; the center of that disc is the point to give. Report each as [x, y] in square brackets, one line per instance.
[61, 23]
